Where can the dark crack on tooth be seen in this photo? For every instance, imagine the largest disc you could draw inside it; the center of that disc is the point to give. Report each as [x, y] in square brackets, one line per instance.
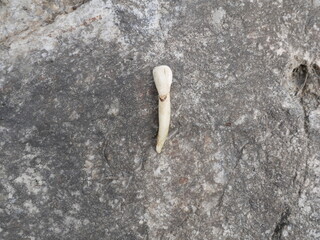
[163, 98]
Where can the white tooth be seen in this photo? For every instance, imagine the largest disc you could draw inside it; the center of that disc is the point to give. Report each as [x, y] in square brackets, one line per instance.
[163, 78]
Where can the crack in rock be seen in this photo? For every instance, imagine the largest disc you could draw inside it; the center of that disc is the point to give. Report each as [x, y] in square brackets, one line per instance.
[277, 233]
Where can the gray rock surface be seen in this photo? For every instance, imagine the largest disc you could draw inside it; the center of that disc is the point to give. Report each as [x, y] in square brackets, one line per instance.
[78, 120]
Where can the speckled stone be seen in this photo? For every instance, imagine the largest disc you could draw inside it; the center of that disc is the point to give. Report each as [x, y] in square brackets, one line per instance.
[78, 120]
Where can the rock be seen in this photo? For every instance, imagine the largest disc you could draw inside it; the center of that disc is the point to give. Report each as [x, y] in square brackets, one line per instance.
[78, 120]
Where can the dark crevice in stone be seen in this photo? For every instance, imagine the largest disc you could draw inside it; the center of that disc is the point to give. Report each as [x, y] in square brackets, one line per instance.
[300, 76]
[305, 174]
[316, 69]
[277, 233]
[306, 121]
[80, 4]
[306, 82]
[2, 3]
[220, 201]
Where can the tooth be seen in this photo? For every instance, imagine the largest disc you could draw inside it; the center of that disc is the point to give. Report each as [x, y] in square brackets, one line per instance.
[163, 78]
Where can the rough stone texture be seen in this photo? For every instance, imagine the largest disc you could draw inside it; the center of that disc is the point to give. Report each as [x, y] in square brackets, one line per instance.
[78, 120]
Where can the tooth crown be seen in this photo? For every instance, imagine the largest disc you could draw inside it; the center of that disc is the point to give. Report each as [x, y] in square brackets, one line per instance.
[163, 79]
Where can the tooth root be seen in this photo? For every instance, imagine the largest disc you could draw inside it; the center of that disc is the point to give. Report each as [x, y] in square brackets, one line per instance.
[163, 79]
[164, 121]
